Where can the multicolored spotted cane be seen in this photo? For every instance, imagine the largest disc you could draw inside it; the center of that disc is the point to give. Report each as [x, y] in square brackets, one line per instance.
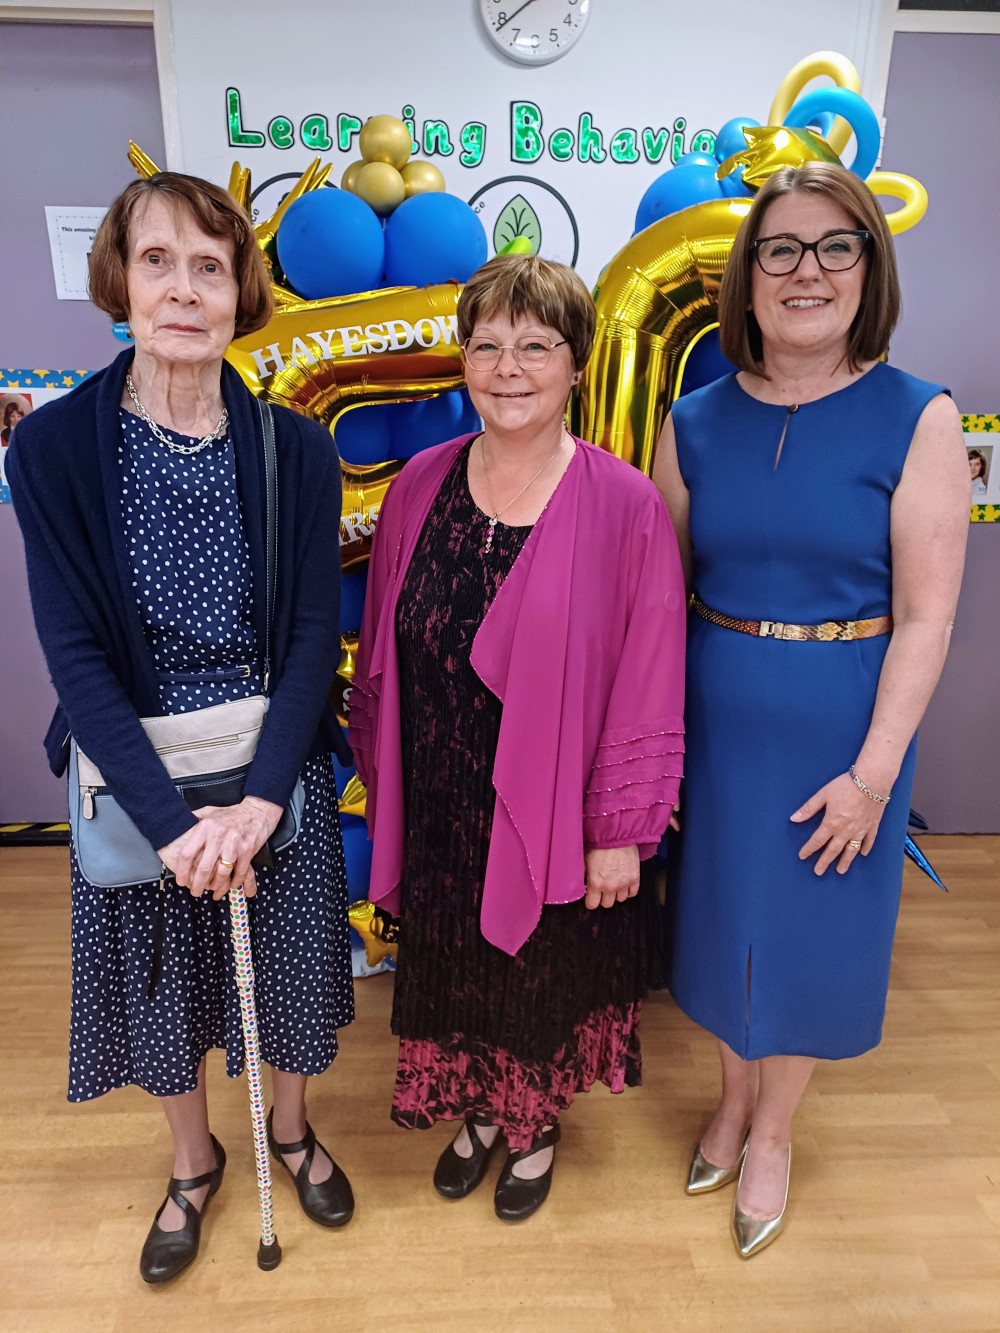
[269, 1253]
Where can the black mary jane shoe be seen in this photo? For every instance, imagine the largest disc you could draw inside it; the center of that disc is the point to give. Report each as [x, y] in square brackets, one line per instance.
[166, 1253]
[454, 1176]
[515, 1199]
[331, 1202]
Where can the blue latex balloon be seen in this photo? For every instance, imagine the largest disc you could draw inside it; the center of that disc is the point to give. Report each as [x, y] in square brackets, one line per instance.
[696, 160]
[330, 243]
[730, 138]
[362, 434]
[822, 123]
[855, 110]
[705, 363]
[342, 774]
[416, 426]
[353, 587]
[432, 238]
[357, 856]
[732, 185]
[676, 189]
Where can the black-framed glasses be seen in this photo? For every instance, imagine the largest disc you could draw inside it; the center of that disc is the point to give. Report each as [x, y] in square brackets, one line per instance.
[529, 353]
[836, 252]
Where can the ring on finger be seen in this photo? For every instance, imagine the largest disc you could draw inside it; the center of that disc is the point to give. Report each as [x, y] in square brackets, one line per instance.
[230, 865]
[856, 844]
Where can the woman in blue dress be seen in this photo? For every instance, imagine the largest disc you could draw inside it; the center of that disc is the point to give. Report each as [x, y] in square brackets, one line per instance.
[141, 497]
[820, 498]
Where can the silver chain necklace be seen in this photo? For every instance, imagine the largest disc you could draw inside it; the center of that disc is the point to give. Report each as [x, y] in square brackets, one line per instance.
[491, 519]
[165, 439]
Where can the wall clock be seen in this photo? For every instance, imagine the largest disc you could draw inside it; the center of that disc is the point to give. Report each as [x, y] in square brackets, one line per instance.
[533, 32]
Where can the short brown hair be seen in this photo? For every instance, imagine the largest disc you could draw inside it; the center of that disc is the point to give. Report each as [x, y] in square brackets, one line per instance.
[518, 285]
[868, 338]
[212, 209]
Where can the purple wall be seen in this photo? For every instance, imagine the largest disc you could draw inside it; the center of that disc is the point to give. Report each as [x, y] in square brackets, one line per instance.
[942, 121]
[71, 97]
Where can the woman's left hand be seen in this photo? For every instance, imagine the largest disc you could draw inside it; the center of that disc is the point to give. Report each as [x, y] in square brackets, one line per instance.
[215, 854]
[611, 874]
[850, 816]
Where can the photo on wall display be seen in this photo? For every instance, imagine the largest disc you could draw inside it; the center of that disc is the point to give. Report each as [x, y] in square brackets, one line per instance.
[21, 391]
[982, 434]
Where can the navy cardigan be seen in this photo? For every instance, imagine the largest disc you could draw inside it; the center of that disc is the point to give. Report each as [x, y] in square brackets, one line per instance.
[62, 467]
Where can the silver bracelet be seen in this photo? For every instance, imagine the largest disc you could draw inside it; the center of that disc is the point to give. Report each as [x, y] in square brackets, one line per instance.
[872, 795]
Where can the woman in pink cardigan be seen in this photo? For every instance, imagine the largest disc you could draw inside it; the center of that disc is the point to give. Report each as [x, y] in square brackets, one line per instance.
[516, 718]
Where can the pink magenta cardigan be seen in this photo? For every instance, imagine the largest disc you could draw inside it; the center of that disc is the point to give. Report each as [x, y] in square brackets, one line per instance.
[584, 646]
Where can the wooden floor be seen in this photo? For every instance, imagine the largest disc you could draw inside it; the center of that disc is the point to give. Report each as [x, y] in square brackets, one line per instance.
[893, 1225]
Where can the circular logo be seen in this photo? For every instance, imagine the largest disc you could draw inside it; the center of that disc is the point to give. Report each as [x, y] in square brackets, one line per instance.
[522, 207]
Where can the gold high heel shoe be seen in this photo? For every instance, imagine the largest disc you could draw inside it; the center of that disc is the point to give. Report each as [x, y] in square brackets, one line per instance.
[751, 1234]
[703, 1177]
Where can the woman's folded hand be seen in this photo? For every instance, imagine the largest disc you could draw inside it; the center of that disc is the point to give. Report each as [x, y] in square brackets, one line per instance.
[215, 854]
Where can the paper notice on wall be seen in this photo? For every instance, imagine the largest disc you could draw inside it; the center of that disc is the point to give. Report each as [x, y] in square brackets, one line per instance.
[71, 235]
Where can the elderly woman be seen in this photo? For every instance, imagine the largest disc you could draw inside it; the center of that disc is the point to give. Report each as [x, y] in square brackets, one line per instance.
[825, 576]
[141, 496]
[516, 718]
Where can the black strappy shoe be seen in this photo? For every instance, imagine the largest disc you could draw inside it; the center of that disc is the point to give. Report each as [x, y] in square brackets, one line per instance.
[515, 1199]
[454, 1176]
[166, 1253]
[331, 1202]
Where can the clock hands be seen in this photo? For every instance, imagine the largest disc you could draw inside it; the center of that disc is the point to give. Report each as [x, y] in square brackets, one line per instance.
[513, 16]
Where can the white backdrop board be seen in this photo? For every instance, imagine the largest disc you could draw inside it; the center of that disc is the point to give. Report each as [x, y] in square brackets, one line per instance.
[274, 86]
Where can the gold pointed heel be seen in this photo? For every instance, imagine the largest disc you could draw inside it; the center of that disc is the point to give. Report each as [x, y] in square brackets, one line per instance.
[751, 1234]
[703, 1177]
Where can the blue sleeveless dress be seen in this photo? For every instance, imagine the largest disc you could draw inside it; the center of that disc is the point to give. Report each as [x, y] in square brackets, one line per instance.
[765, 954]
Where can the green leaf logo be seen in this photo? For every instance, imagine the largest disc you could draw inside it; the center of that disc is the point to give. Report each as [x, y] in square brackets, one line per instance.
[516, 219]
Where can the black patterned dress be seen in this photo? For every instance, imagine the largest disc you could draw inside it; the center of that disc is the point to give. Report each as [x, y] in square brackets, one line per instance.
[480, 1031]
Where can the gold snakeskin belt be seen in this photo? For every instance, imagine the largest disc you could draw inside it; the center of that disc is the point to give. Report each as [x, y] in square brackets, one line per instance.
[829, 632]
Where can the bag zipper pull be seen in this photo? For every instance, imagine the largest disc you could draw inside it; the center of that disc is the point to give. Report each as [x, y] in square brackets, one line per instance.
[89, 810]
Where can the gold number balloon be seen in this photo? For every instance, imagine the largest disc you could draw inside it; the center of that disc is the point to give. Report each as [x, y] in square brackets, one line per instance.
[364, 491]
[379, 935]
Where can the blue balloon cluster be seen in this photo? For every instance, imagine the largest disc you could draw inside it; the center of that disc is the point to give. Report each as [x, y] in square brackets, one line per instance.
[692, 179]
[331, 243]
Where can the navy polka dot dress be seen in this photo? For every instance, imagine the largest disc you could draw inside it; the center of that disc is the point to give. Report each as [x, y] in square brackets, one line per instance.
[191, 575]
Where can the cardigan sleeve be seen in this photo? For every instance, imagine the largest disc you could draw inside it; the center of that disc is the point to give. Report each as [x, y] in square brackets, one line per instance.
[299, 696]
[637, 768]
[100, 715]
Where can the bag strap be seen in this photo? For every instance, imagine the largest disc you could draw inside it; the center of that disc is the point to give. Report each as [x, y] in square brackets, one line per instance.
[271, 489]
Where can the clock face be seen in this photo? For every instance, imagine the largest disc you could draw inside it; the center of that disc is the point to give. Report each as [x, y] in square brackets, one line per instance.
[533, 32]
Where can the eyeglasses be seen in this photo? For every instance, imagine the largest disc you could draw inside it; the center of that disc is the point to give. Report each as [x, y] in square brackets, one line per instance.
[529, 353]
[837, 252]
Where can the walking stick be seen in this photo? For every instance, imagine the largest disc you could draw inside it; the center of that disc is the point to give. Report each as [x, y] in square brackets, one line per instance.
[269, 1252]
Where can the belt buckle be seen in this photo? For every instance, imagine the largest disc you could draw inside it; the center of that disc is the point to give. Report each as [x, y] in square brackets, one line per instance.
[772, 628]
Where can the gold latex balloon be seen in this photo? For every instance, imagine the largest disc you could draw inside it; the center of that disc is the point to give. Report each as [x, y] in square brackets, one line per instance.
[351, 175]
[421, 177]
[385, 139]
[820, 64]
[654, 298]
[340, 691]
[355, 798]
[773, 147]
[380, 186]
[379, 933]
[910, 191]
[364, 490]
